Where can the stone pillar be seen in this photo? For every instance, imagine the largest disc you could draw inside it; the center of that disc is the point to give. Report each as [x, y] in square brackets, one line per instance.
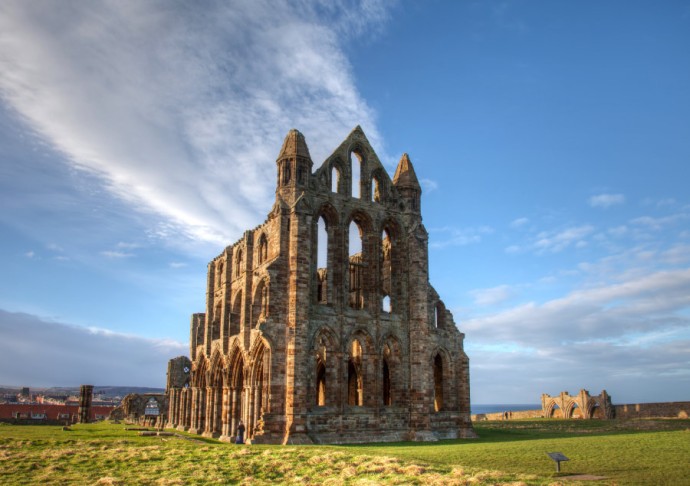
[85, 397]
[225, 414]
[194, 410]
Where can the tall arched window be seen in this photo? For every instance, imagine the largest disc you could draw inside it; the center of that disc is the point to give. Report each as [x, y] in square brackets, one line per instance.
[356, 259]
[356, 165]
[262, 252]
[438, 383]
[335, 179]
[386, 379]
[238, 263]
[320, 383]
[355, 392]
[375, 189]
[322, 261]
[386, 270]
[220, 273]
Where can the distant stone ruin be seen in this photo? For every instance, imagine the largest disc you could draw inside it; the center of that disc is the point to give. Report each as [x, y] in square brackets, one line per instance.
[147, 409]
[85, 399]
[582, 406]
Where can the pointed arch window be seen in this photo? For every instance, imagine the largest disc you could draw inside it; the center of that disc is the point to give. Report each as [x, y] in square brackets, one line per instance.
[335, 179]
[355, 392]
[263, 249]
[356, 161]
[322, 261]
[375, 189]
[438, 383]
[357, 267]
[238, 263]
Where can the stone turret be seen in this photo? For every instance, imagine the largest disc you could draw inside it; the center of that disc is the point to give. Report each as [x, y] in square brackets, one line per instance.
[294, 166]
[405, 180]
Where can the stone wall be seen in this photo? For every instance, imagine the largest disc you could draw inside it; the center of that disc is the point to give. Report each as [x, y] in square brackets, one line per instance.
[653, 410]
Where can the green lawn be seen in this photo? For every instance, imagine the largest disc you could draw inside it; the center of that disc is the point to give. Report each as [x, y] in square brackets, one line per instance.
[633, 452]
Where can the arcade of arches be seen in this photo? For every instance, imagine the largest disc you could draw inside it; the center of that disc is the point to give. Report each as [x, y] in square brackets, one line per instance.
[321, 325]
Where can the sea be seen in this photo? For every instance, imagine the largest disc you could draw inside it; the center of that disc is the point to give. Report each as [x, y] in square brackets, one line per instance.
[503, 407]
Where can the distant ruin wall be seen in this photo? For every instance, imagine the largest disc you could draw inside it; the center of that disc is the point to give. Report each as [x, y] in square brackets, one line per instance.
[653, 410]
[521, 414]
[629, 411]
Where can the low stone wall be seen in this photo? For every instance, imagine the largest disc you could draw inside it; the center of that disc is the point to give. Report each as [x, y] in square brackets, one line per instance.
[521, 414]
[653, 410]
[628, 411]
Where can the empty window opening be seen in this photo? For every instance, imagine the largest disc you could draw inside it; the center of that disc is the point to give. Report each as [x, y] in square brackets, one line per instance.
[220, 273]
[354, 375]
[238, 263]
[356, 295]
[387, 399]
[576, 412]
[375, 190]
[320, 384]
[263, 249]
[335, 180]
[438, 383]
[322, 262]
[215, 324]
[285, 172]
[356, 164]
[386, 269]
[236, 314]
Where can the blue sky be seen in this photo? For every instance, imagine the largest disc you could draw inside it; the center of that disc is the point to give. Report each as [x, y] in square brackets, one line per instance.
[552, 139]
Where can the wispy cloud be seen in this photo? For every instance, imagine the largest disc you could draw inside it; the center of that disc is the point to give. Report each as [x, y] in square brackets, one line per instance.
[449, 236]
[635, 332]
[492, 296]
[30, 254]
[116, 254]
[606, 200]
[556, 241]
[85, 355]
[180, 111]
[519, 222]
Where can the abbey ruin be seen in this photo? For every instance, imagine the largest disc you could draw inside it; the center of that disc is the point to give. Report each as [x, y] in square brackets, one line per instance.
[321, 325]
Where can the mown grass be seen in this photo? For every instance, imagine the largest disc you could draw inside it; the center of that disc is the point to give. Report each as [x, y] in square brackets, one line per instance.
[640, 452]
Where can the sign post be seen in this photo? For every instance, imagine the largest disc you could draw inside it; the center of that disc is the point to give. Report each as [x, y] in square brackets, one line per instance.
[558, 457]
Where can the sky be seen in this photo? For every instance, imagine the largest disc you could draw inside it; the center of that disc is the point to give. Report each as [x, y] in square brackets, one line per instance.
[551, 139]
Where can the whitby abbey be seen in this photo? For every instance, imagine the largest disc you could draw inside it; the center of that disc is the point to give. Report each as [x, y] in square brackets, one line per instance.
[321, 325]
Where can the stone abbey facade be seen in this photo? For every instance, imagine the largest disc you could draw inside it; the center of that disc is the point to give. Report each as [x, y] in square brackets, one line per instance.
[321, 325]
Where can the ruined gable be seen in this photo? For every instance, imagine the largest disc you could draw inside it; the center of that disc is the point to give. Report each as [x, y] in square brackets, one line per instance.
[321, 324]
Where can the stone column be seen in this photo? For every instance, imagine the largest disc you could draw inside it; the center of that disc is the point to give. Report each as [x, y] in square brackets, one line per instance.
[85, 397]
[225, 415]
[194, 410]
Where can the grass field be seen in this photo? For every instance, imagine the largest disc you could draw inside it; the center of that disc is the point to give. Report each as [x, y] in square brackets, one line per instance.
[633, 452]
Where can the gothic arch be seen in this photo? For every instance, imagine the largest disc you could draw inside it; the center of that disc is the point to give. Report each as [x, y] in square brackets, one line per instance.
[324, 372]
[262, 249]
[260, 301]
[442, 373]
[392, 376]
[259, 385]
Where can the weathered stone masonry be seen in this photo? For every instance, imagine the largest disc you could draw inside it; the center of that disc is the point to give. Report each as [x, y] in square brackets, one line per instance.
[321, 324]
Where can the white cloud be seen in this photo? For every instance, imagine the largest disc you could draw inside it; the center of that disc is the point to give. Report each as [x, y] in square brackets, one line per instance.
[606, 200]
[428, 185]
[30, 254]
[556, 241]
[177, 264]
[180, 111]
[492, 296]
[449, 236]
[54, 354]
[116, 254]
[519, 222]
[631, 337]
